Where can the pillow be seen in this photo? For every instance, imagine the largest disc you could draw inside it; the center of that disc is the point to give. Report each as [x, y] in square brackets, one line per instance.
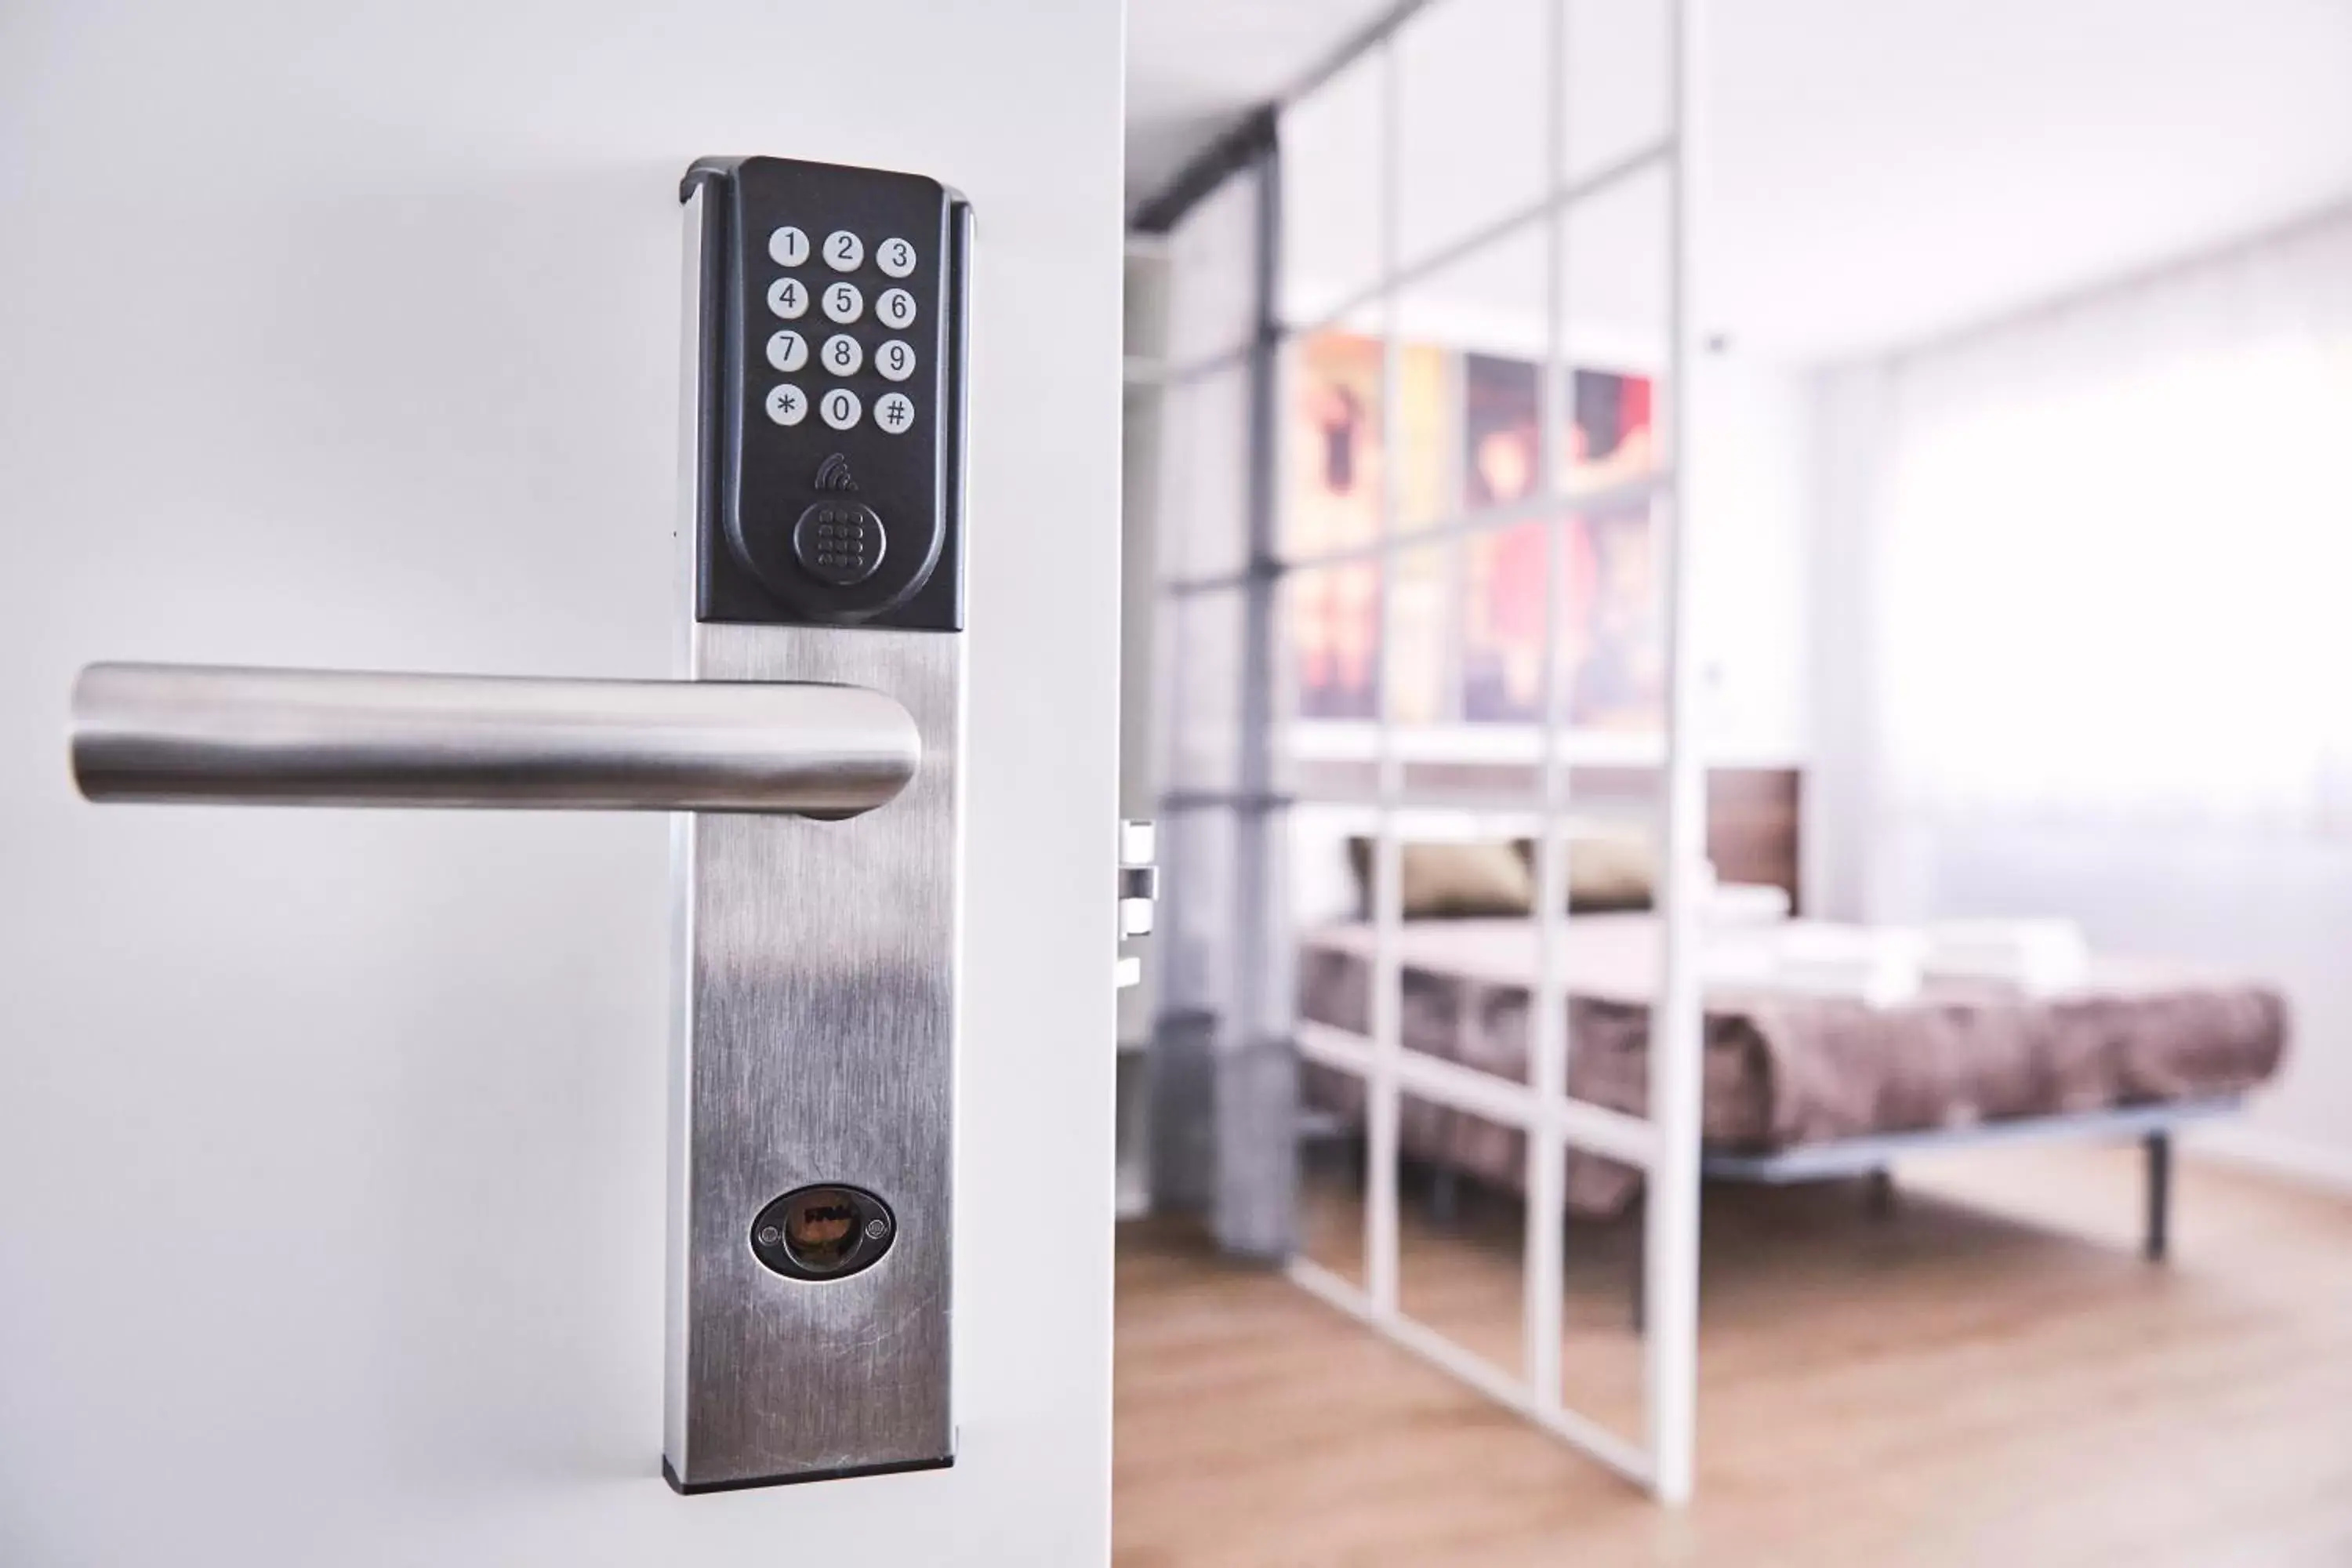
[1448, 879]
[1610, 865]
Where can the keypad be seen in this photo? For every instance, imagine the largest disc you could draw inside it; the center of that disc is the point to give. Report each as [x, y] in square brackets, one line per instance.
[830, 546]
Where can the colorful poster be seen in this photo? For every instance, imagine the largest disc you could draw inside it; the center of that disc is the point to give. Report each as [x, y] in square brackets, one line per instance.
[1335, 465]
[1611, 634]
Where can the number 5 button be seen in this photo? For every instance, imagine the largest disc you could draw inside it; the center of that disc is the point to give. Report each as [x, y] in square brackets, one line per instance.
[896, 307]
[844, 303]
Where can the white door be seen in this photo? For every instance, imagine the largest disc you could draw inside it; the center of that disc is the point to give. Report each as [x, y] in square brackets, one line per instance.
[331, 1143]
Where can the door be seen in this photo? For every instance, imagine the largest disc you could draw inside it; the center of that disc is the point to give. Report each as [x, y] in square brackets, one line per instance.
[333, 1144]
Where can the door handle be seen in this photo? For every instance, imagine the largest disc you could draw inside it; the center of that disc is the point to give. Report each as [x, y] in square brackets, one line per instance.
[308, 737]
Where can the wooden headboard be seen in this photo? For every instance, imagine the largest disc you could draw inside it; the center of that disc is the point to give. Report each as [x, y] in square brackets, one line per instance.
[1751, 818]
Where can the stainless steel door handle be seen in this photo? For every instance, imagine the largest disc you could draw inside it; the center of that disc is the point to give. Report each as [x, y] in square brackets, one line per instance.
[304, 737]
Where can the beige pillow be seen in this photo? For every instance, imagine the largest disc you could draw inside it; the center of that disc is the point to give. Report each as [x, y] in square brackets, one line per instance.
[1610, 865]
[1443, 879]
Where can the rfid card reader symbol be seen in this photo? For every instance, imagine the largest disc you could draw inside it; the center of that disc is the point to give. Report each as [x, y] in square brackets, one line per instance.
[839, 538]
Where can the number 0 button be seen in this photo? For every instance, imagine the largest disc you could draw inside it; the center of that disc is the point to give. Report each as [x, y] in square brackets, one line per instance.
[788, 297]
[894, 360]
[787, 403]
[788, 248]
[896, 307]
[841, 354]
[844, 251]
[840, 408]
[895, 412]
[895, 257]
[843, 302]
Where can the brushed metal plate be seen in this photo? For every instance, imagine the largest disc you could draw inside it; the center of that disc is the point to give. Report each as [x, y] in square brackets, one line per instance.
[816, 1043]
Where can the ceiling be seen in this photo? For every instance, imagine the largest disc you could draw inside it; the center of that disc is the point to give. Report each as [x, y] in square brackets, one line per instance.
[1875, 173]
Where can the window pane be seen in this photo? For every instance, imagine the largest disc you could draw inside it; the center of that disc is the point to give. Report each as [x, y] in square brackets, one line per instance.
[1471, 118]
[1461, 1224]
[1332, 152]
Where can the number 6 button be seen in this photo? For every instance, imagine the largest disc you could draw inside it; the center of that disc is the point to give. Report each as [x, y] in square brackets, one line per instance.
[896, 307]
[840, 408]
[844, 303]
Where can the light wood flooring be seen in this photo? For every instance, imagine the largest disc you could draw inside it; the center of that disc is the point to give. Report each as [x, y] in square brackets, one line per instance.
[1989, 1375]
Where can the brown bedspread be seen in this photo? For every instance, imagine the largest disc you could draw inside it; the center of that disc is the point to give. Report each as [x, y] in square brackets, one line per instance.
[1782, 1069]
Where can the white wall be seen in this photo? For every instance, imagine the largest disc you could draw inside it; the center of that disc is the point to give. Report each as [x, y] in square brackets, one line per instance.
[331, 1143]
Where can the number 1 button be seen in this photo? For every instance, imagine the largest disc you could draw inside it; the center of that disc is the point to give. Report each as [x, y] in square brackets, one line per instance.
[788, 246]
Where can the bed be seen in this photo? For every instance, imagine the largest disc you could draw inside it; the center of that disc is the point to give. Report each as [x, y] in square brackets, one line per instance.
[1797, 1086]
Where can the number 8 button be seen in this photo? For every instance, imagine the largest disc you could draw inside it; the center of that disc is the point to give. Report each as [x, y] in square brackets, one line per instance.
[841, 354]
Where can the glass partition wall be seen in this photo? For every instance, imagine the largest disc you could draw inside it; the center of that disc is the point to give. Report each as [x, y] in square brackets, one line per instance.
[1424, 692]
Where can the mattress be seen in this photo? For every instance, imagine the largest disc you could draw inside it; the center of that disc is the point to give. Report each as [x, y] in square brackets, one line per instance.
[1781, 1068]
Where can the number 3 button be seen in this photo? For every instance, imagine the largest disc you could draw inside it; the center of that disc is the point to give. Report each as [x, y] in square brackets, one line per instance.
[840, 408]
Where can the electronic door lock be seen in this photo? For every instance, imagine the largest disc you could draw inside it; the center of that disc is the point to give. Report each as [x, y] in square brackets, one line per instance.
[813, 751]
[1139, 891]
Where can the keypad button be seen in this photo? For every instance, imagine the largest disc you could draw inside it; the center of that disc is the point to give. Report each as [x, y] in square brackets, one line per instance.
[895, 257]
[844, 251]
[894, 360]
[843, 302]
[788, 298]
[896, 307]
[787, 403]
[787, 247]
[843, 354]
[840, 408]
[895, 413]
[787, 350]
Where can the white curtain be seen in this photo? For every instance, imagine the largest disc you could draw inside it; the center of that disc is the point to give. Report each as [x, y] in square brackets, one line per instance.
[2113, 569]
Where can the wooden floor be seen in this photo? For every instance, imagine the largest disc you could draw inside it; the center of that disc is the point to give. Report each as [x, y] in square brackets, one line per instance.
[1991, 1375]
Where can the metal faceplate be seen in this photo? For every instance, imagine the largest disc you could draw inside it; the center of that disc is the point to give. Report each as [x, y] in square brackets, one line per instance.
[818, 976]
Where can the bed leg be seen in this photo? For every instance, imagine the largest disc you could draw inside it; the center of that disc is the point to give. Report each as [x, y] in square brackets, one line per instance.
[1444, 1195]
[1640, 1292]
[2158, 1243]
[1878, 1199]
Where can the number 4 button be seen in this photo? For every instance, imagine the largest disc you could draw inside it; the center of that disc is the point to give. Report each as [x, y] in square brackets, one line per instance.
[895, 413]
